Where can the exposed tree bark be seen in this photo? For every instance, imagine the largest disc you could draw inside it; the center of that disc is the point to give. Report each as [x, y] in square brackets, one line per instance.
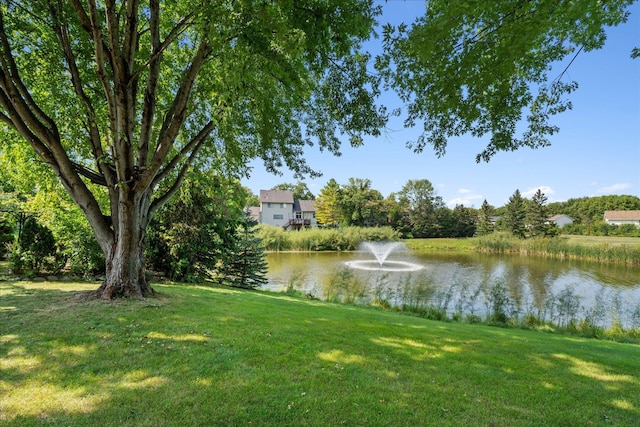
[125, 272]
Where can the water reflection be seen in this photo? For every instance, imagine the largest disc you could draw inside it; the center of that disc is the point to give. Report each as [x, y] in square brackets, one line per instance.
[469, 284]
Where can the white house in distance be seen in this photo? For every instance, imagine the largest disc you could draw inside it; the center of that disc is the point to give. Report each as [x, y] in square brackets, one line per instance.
[622, 217]
[279, 208]
[561, 220]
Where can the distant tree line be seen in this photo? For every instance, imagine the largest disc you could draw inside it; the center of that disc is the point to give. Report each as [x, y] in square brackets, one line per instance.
[418, 211]
[205, 233]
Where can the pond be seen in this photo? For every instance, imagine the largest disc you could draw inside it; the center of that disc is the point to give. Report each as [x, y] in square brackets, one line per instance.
[470, 284]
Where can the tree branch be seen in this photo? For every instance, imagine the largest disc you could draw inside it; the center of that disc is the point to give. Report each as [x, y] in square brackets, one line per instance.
[176, 114]
[76, 80]
[93, 176]
[149, 104]
[160, 201]
[192, 146]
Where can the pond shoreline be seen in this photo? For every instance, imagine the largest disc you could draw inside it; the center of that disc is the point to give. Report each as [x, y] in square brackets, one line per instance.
[473, 286]
[600, 249]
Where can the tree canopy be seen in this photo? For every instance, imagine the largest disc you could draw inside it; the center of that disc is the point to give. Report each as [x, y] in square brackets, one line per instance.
[122, 99]
[484, 68]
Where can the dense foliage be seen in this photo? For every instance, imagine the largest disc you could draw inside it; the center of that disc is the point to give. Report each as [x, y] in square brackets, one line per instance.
[6, 235]
[129, 96]
[588, 214]
[483, 68]
[35, 249]
[196, 232]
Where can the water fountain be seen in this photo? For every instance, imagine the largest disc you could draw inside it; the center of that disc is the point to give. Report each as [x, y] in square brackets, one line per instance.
[381, 251]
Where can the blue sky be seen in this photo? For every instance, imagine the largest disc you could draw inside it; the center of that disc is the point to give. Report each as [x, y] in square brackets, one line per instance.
[596, 152]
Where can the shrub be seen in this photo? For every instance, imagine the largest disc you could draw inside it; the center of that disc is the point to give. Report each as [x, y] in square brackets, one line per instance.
[85, 256]
[36, 250]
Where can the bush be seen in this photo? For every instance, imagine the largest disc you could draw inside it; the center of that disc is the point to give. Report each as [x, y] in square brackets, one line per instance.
[6, 236]
[36, 250]
[85, 256]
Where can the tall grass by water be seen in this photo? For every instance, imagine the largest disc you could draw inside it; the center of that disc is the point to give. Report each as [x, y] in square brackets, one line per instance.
[613, 251]
[214, 356]
[322, 239]
[560, 311]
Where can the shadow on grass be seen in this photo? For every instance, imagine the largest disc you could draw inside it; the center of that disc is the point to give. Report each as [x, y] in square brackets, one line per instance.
[202, 356]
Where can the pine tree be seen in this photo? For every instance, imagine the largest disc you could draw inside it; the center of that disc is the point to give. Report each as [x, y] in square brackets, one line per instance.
[485, 225]
[536, 215]
[245, 264]
[516, 214]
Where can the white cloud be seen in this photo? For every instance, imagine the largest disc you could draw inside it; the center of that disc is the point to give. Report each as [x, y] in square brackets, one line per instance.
[546, 190]
[615, 188]
[466, 198]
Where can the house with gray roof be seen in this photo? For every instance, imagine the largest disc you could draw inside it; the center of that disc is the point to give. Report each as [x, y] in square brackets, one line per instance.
[279, 208]
[622, 217]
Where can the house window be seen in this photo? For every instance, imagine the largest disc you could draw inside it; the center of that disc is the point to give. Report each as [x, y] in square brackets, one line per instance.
[298, 215]
[269, 205]
[278, 216]
[283, 205]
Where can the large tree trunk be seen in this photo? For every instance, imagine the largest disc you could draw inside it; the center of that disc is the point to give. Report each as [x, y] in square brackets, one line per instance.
[125, 267]
[125, 274]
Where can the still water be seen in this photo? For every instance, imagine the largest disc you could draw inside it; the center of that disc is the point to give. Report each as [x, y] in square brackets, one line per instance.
[469, 284]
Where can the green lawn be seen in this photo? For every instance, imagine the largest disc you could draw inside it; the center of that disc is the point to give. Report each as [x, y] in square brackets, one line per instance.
[199, 356]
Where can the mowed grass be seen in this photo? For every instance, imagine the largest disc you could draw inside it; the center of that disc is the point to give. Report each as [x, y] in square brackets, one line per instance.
[197, 356]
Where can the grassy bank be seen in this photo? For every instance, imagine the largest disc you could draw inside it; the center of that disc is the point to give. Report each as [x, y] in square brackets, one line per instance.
[202, 356]
[322, 239]
[611, 250]
[422, 246]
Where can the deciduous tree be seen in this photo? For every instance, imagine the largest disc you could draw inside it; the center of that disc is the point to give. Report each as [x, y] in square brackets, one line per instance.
[484, 68]
[421, 201]
[327, 208]
[299, 189]
[121, 99]
[358, 202]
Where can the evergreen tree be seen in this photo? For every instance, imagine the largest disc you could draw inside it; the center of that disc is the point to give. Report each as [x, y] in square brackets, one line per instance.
[536, 216]
[516, 215]
[485, 225]
[6, 235]
[245, 264]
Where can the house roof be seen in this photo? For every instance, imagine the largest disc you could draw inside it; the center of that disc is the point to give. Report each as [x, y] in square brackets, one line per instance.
[304, 205]
[254, 211]
[622, 215]
[557, 217]
[276, 196]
